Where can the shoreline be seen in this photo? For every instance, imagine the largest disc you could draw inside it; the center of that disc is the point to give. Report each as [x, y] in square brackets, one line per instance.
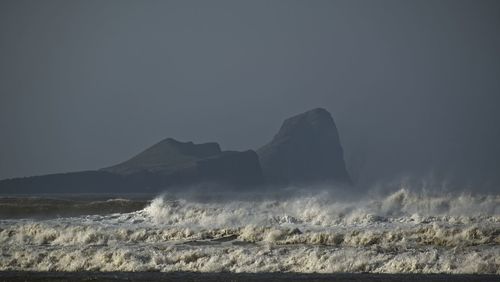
[15, 276]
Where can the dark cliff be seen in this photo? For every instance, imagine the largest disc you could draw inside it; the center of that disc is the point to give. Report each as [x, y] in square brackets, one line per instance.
[305, 150]
[173, 163]
[167, 165]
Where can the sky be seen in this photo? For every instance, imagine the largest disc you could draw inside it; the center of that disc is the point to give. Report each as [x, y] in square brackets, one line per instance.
[413, 86]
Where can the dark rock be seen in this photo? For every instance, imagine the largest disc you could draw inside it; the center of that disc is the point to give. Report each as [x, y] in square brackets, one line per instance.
[174, 163]
[231, 167]
[306, 150]
[166, 157]
[169, 164]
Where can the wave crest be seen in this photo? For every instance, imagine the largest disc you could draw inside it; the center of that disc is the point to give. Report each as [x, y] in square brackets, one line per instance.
[403, 232]
[325, 210]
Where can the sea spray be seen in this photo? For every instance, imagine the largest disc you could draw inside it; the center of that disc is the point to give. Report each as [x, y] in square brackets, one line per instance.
[402, 232]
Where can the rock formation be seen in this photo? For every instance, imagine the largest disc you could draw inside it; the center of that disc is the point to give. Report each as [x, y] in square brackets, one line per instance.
[305, 150]
[165, 157]
[174, 163]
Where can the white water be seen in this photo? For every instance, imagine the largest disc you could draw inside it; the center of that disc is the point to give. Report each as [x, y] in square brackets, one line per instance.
[402, 232]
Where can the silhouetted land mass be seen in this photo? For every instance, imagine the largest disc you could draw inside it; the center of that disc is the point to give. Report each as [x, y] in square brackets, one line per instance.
[173, 163]
[306, 150]
[166, 157]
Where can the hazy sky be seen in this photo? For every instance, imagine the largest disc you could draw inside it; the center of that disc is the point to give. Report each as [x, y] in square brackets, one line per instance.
[414, 86]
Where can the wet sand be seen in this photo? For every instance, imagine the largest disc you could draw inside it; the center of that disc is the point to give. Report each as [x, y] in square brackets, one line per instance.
[13, 276]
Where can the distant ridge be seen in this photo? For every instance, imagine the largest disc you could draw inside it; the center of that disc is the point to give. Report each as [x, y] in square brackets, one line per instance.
[306, 150]
[166, 155]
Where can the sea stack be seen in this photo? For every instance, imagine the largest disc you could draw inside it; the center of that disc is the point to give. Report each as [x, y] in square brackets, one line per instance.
[306, 150]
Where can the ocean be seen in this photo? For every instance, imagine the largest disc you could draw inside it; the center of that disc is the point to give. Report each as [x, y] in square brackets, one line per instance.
[318, 235]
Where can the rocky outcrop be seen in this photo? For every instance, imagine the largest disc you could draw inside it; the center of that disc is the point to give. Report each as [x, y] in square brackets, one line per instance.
[166, 157]
[231, 167]
[172, 163]
[167, 165]
[305, 150]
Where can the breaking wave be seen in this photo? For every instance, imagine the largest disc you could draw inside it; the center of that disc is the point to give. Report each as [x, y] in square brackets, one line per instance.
[324, 210]
[404, 232]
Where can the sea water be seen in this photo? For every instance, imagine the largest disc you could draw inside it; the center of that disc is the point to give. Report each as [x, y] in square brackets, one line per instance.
[400, 232]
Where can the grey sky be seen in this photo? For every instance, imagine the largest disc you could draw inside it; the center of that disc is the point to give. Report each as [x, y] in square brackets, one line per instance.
[414, 86]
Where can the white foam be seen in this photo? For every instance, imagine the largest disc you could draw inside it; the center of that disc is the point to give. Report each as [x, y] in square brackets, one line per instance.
[403, 232]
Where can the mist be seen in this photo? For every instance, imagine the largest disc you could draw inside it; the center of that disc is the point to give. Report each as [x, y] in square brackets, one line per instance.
[413, 86]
